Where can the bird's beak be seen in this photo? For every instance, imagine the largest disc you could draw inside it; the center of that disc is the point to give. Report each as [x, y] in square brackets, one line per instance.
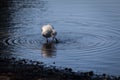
[56, 40]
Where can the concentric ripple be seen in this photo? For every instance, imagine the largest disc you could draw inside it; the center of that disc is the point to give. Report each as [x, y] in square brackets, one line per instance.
[92, 41]
[88, 42]
[26, 41]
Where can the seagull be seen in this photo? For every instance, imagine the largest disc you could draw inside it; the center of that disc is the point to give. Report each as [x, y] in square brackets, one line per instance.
[48, 31]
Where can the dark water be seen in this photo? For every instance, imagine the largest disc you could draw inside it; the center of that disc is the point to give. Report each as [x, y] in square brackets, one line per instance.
[88, 30]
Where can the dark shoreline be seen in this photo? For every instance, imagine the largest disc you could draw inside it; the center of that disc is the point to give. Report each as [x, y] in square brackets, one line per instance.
[22, 69]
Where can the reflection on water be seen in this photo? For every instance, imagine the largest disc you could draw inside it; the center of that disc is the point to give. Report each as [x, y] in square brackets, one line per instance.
[89, 32]
[48, 49]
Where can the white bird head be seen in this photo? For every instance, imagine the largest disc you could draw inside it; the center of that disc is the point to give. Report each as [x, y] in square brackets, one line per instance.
[54, 33]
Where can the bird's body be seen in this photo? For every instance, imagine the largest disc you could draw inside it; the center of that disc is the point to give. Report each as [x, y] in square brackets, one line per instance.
[49, 31]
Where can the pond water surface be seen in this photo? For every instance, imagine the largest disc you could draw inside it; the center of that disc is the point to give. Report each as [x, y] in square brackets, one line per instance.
[88, 31]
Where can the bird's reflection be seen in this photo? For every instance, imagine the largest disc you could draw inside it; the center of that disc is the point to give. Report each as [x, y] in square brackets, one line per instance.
[48, 50]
